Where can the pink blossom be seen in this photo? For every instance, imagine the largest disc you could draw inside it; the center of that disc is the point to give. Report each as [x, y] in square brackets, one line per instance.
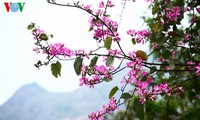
[101, 4]
[173, 13]
[149, 1]
[198, 10]
[187, 36]
[101, 70]
[164, 88]
[142, 100]
[83, 80]
[95, 116]
[110, 107]
[87, 8]
[114, 52]
[98, 12]
[141, 85]
[190, 63]
[123, 81]
[110, 4]
[155, 45]
[38, 31]
[187, 8]
[131, 64]
[37, 50]
[131, 32]
[198, 69]
[132, 55]
[198, 96]
[139, 36]
[156, 90]
[173, 54]
[193, 20]
[117, 38]
[59, 49]
[180, 43]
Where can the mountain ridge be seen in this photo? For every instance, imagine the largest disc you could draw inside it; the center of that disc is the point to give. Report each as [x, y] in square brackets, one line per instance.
[31, 102]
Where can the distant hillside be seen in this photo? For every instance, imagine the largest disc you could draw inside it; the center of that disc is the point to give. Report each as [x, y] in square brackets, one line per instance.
[31, 102]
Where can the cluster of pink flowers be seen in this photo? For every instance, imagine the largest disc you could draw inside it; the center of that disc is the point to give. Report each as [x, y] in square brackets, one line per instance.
[106, 108]
[173, 13]
[101, 32]
[102, 4]
[37, 32]
[114, 52]
[139, 36]
[59, 49]
[106, 28]
[97, 73]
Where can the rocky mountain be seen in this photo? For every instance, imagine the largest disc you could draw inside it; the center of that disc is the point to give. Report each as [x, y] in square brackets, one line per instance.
[32, 102]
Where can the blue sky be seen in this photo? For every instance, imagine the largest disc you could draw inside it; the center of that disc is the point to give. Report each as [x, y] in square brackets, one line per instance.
[68, 25]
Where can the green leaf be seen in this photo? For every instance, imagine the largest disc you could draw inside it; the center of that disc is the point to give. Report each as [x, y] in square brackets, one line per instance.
[133, 41]
[153, 69]
[197, 57]
[90, 29]
[93, 61]
[108, 43]
[155, 9]
[166, 54]
[31, 26]
[78, 65]
[110, 60]
[106, 79]
[141, 54]
[43, 36]
[51, 35]
[171, 64]
[138, 109]
[55, 69]
[126, 96]
[113, 91]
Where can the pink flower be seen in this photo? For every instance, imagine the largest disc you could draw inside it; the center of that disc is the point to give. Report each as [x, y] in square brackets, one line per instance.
[156, 90]
[101, 4]
[142, 100]
[110, 4]
[83, 80]
[173, 54]
[131, 32]
[95, 116]
[37, 50]
[139, 36]
[155, 45]
[117, 38]
[193, 20]
[88, 8]
[198, 69]
[101, 70]
[131, 64]
[187, 36]
[190, 63]
[198, 10]
[114, 52]
[149, 1]
[58, 49]
[110, 107]
[173, 13]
